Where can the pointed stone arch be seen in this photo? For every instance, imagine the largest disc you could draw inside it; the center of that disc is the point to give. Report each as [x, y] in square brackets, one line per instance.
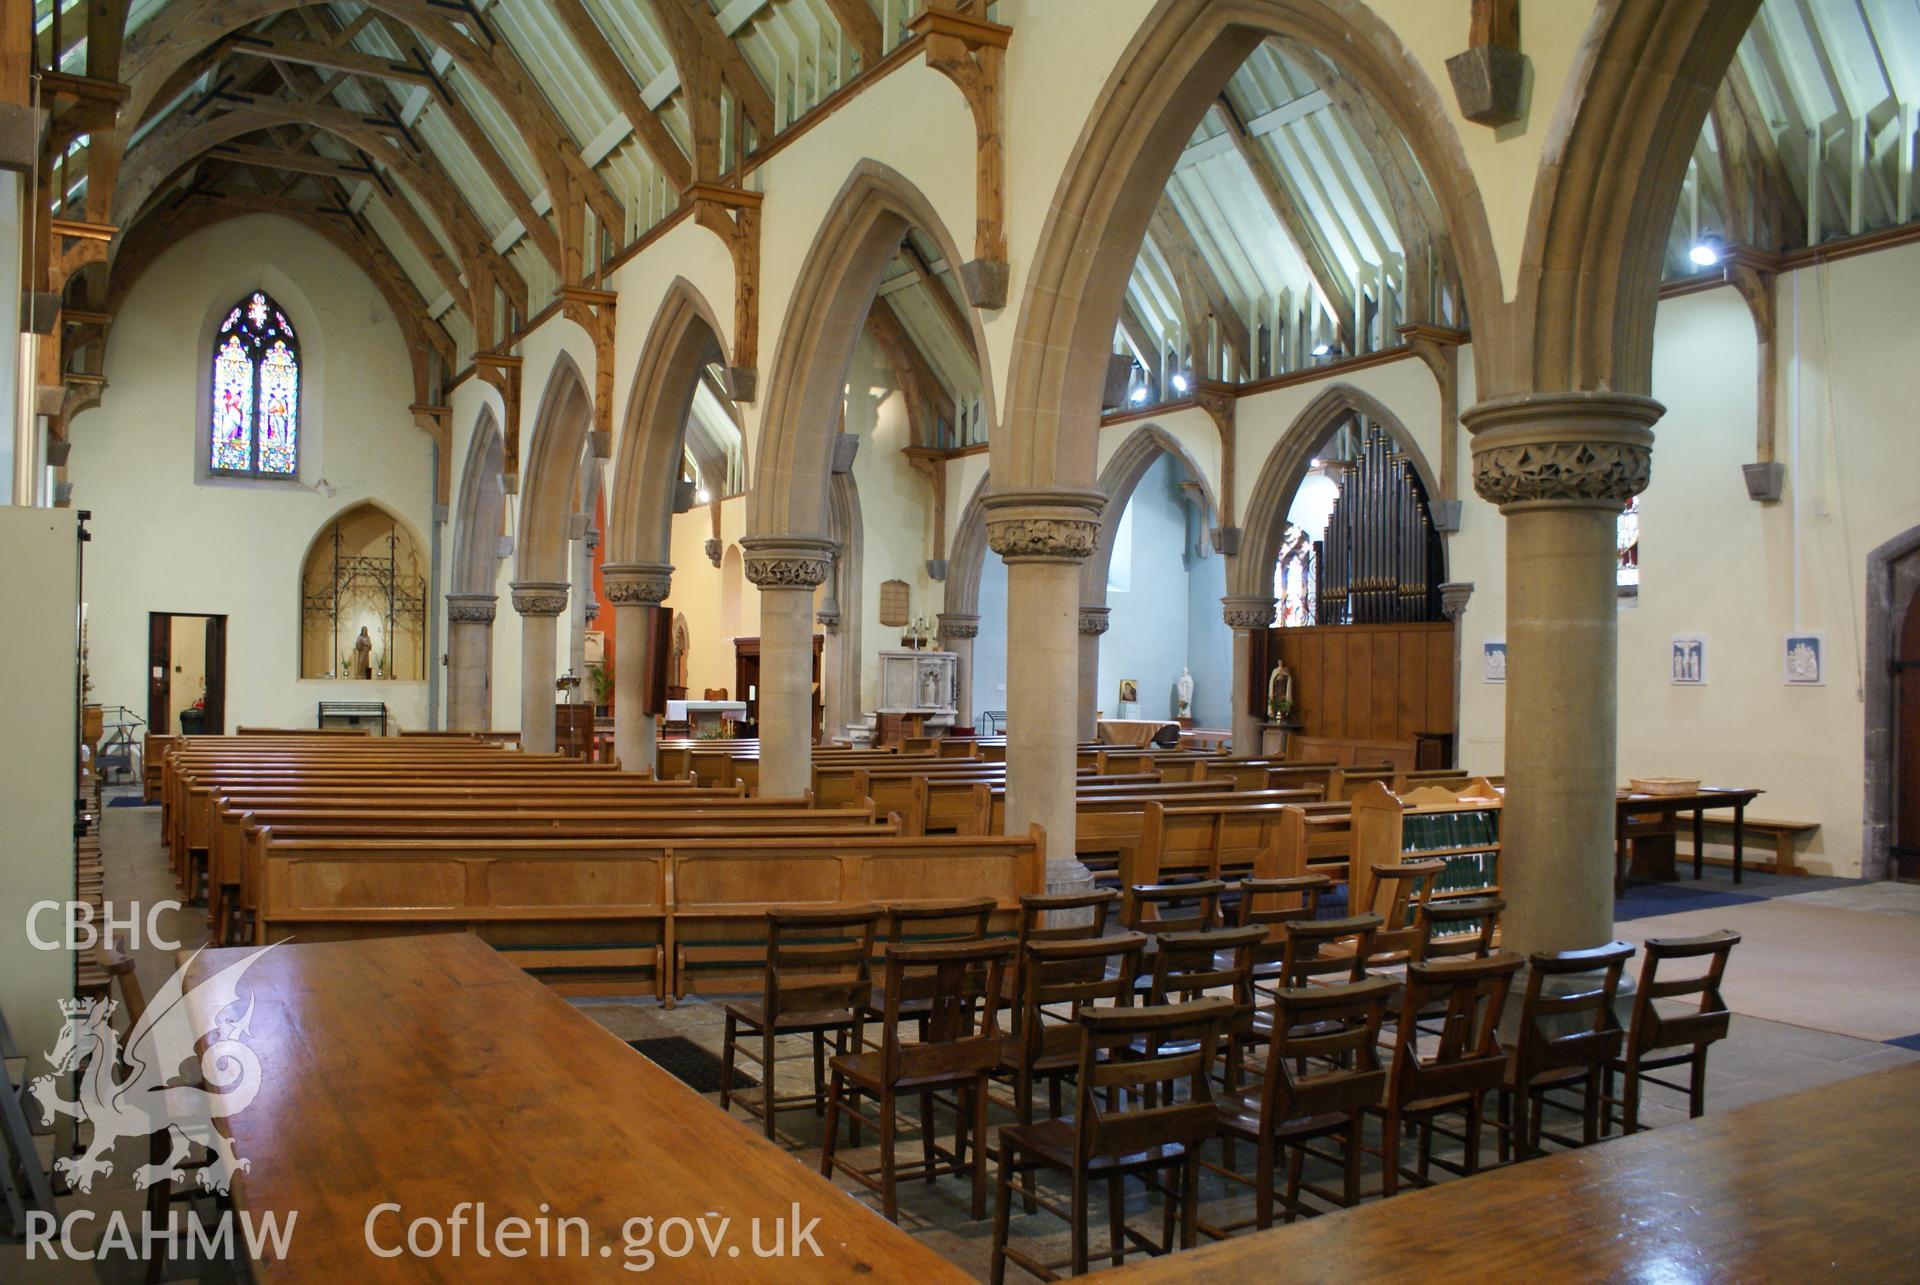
[1138, 453]
[549, 488]
[969, 554]
[1251, 573]
[482, 510]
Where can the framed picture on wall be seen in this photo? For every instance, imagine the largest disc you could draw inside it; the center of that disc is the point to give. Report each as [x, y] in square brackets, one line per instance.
[1129, 690]
[1806, 657]
[1689, 660]
[1493, 660]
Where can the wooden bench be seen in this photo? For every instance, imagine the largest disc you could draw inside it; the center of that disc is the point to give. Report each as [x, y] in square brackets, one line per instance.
[1782, 833]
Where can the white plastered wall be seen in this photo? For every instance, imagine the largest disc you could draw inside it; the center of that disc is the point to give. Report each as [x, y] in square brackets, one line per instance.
[168, 539]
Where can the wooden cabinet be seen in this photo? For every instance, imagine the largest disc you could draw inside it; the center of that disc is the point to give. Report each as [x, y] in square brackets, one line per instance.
[746, 683]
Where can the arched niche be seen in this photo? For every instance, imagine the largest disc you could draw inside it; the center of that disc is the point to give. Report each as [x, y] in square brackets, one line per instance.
[364, 569]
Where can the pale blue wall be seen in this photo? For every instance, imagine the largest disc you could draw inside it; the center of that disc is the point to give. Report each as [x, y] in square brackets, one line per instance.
[990, 648]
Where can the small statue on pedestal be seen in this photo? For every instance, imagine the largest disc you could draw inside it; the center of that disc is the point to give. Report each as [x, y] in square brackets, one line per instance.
[363, 655]
[1279, 694]
[1183, 689]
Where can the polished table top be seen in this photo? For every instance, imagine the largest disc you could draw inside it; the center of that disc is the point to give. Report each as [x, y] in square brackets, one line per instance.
[428, 1071]
[1708, 796]
[1814, 1184]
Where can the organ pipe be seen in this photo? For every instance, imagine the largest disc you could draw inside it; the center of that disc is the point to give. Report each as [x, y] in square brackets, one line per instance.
[1378, 562]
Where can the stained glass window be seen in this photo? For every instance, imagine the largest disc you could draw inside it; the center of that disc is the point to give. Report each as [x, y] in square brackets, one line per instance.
[256, 392]
[1294, 580]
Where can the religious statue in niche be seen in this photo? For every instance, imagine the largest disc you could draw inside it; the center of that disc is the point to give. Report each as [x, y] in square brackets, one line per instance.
[1279, 694]
[1183, 690]
[682, 643]
[363, 655]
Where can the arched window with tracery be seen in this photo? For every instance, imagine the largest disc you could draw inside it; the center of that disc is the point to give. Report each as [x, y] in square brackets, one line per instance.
[255, 429]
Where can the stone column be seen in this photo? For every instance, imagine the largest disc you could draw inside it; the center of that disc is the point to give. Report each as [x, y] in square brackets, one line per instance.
[1247, 615]
[786, 571]
[539, 603]
[1560, 466]
[1093, 624]
[1454, 595]
[1044, 537]
[957, 630]
[469, 656]
[582, 610]
[636, 590]
[833, 662]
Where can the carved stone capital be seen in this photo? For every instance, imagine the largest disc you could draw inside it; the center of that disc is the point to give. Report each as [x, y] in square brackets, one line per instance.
[539, 597]
[1581, 450]
[785, 562]
[958, 624]
[1044, 526]
[1094, 620]
[471, 608]
[1453, 599]
[714, 550]
[829, 620]
[643, 584]
[1247, 611]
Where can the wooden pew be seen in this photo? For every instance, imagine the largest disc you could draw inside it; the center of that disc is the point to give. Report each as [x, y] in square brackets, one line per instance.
[1215, 841]
[722, 891]
[964, 805]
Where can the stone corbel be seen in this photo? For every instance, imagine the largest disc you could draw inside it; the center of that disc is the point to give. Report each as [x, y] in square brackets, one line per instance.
[1490, 78]
[1439, 348]
[1453, 599]
[593, 312]
[958, 624]
[1753, 274]
[503, 373]
[1094, 620]
[1247, 612]
[1220, 403]
[733, 215]
[437, 423]
[969, 51]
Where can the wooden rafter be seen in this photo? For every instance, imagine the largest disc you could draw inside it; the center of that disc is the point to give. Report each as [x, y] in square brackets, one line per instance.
[332, 57]
[943, 299]
[970, 52]
[911, 371]
[862, 27]
[1201, 294]
[1762, 210]
[619, 84]
[1334, 292]
[297, 162]
[707, 59]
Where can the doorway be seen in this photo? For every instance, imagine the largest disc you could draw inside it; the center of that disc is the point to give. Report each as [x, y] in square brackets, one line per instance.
[1891, 848]
[186, 673]
[1906, 750]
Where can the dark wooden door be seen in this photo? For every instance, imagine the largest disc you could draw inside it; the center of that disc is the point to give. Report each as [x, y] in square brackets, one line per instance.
[159, 667]
[216, 705]
[1906, 753]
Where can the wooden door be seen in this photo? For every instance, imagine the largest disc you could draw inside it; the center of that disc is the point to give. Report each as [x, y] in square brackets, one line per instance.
[216, 705]
[159, 667]
[1906, 752]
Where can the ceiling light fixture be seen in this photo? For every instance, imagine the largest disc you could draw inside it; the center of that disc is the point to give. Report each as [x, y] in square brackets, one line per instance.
[1706, 251]
[702, 496]
[1137, 396]
[1323, 349]
[1179, 382]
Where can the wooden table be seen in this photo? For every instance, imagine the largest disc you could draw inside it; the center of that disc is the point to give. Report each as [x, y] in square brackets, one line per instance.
[1708, 798]
[1814, 1185]
[428, 1071]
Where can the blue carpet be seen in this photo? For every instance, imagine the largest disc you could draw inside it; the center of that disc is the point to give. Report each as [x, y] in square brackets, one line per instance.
[131, 801]
[1645, 900]
[1905, 1042]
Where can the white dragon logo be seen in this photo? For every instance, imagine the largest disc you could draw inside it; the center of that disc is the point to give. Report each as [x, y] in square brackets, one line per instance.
[147, 1100]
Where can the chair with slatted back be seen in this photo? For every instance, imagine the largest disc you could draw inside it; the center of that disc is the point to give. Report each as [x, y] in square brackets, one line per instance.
[1460, 928]
[1157, 908]
[1652, 1039]
[959, 1047]
[1466, 1062]
[1399, 891]
[819, 977]
[1139, 1111]
[1060, 980]
[927, 922]
[1271, 903]
[1190, 966]
[1335, 1030]
[1057, 916]
[1568, 1035]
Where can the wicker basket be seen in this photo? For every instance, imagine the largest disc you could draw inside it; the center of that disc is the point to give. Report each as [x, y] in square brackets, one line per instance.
[1665, 785]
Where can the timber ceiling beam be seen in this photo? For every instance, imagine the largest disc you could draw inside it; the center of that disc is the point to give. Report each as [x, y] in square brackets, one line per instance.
[299, 162]
[862, 28]
[1307, 242]
[1140, 337]
[332, 58]
[943, 299]
[911, 372]
[733, 215]
[620, 86]
[1201, 293]
[1762, 209]
[708, 58]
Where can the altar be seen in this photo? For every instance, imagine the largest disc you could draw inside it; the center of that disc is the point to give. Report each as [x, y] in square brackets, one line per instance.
[706, 716]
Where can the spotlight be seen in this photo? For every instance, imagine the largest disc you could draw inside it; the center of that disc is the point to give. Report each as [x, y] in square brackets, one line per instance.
[702, 496]
[1137, 396]
[1179, 382]
[1706, 251]
[1323, 349]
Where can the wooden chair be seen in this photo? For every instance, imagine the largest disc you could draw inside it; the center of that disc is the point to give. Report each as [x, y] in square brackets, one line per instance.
[819, 979]
[1398, 892]
[1467, 1061]
[1567, 1039]
[1271, 903]
[1337, 1030]
[1462, 928]
[1171, 908]
[1310, 955]
[1139, 1111]
[927, 922]
[1652, 1038]
[1191, 966]
[1062, 980]
[1057, 916]
[958, 983]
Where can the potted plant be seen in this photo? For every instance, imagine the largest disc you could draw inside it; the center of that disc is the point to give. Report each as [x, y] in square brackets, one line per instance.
[602, 688]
